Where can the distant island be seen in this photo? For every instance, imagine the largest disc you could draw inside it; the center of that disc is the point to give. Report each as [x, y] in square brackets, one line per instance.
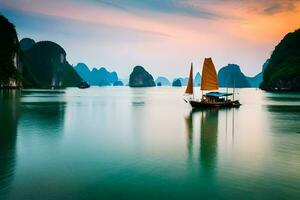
[177, 83]
[283, 70]
[118, 83]
[197, 80]
[183, 81]
[231, 76]
[257, 79]
[162, 81]
[139, 77]
[99, 77]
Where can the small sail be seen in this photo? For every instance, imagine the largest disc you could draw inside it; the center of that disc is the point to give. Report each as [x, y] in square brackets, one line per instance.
[209, 76]
[189, 88]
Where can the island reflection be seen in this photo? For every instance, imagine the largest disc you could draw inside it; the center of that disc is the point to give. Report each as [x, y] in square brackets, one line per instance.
[9, 117]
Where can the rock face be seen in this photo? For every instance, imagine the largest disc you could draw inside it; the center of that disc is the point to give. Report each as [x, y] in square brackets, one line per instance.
[47, 67]
[283, 71]
[139, 77]
[100, 77]
[231, 76]
[26, 43]
[197, 80]
[176, 83]
[163, 81]
[10, 56]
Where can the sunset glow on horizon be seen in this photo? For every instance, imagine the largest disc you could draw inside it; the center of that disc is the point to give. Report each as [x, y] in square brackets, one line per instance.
[163, 36]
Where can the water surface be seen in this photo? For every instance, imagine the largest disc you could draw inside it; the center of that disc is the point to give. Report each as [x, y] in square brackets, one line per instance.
[123, 143]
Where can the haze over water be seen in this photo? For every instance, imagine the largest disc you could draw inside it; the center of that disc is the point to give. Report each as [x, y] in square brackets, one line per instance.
[124, 143]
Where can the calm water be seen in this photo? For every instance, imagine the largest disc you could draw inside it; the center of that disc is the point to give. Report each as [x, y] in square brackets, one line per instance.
[122, 143]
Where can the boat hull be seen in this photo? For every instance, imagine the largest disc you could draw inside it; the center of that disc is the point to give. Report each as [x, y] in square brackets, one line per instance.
[83, 87]
[203, 104]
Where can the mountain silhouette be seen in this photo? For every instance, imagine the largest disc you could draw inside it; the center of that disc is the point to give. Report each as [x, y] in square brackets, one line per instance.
[100, 77]
[47, 67]
[26, 43]
[231, 76]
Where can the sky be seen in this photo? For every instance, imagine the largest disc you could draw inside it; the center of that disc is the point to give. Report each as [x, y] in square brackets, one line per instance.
[164, 36]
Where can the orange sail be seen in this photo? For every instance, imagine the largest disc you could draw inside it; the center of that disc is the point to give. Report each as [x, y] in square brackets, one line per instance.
[209, 76]
[189, 88]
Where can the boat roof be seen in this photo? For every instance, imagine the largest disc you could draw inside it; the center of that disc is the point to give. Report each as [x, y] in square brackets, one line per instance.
[217, 94]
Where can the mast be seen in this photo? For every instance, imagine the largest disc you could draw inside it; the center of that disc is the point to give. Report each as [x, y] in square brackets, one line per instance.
[233, 89]
[232, 127]
[227, 93]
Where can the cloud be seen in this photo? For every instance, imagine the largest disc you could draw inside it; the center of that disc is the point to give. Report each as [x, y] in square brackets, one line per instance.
[163, 6]
[97, 16]
[273, 7]
[267, 7]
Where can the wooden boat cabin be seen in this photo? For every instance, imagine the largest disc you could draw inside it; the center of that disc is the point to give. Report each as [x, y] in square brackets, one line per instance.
[216, 97]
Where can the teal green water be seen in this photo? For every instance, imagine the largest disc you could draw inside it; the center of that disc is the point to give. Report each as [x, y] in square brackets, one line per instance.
[123, 143]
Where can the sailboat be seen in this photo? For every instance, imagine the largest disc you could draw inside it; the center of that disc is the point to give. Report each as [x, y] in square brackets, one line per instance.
[209, 82]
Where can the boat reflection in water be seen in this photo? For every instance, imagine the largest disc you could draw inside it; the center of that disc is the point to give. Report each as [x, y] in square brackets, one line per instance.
[208, 139]
[189, 135]
[204, 124]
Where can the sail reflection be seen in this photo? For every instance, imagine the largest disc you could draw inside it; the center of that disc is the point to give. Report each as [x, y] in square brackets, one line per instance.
[189, 135]
[208, 138]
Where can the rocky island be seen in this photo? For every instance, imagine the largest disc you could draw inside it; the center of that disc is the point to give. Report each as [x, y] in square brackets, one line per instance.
[10, 56]
[118, 83]
[176, 83]
[283, 70]
[231, 76]
[197, 80]
[47, 67]
[99, 77]
[163, 81]
[139, 77]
